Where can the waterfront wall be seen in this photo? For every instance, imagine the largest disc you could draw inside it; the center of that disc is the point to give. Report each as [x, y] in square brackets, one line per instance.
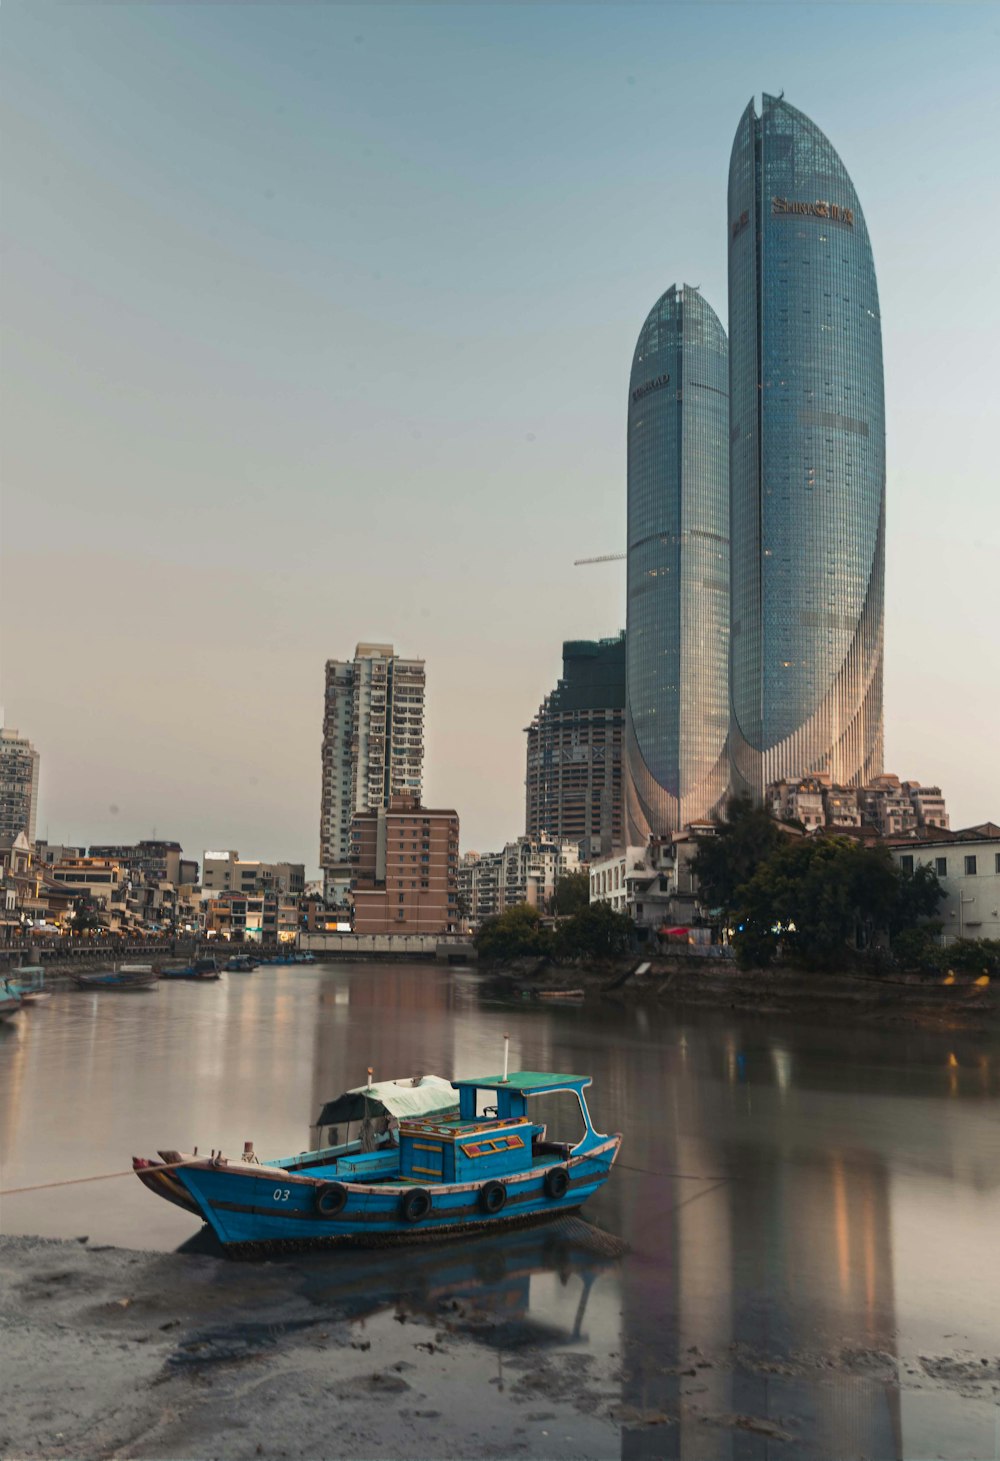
[454, 948]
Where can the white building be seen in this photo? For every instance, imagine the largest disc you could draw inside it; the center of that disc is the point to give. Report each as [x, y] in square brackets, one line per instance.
[19, 763]
[526, 871]
[373, 748]
[654, 885]
[968, 869]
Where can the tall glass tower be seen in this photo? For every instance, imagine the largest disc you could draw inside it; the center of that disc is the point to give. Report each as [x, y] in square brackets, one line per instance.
[807, 460]
[677, 626]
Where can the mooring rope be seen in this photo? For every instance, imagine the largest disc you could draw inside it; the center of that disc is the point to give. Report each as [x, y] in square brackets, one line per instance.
[101, 1177]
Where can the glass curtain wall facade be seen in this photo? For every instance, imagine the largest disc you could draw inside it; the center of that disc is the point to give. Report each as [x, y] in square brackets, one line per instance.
[677, 627]
[807, 461]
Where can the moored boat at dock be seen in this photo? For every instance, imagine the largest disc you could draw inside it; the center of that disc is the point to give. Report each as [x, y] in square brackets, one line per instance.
[448, 1175]
[122, 977]
[202, 968]
[28, 981]
[10, 1000]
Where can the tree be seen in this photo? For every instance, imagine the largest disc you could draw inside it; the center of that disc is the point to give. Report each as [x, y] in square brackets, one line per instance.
[728, 859]
[513, 934]
[822, 900]
[572, 893]
[87, 915]
[596, 932]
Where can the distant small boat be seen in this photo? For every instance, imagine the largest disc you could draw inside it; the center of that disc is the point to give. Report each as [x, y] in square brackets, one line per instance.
[199, 969]
[124, 977]
[240, 964]
[560, 994]
[10, 1000]
[29, 982]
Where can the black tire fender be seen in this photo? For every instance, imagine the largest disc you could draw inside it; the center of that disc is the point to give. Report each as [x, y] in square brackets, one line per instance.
[416, 1204]
[492, 1198]
[331, 1198]
[556, 1183]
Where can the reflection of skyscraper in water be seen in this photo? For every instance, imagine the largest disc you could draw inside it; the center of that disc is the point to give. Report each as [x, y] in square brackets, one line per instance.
[398, 1021]
[754, 1258]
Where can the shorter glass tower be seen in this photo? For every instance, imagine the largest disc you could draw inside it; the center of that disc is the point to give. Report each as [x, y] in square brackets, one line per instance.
[677, 628]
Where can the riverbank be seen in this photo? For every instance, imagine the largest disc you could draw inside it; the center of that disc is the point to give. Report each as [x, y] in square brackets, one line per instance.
[687, 980]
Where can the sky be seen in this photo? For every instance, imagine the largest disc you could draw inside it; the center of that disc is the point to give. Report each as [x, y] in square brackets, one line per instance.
[318, 322]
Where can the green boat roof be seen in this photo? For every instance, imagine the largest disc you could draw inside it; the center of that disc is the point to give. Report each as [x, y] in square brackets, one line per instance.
[528, 1082]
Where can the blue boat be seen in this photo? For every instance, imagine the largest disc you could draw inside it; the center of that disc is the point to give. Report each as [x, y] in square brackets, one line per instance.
[28, 981]
[10, 1000]
[124, 977]
[200, 969]
[375, 1109]
[448, 1175]
[239, 964]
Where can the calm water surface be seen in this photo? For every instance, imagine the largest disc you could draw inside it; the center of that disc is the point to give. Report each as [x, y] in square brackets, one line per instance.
[809, 1209]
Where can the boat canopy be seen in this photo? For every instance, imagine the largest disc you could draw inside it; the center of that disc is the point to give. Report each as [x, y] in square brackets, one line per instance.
[424, 1095]
[527, 1082]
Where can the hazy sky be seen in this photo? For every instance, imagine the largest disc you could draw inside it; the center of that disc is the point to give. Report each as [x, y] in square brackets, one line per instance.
[318, 323]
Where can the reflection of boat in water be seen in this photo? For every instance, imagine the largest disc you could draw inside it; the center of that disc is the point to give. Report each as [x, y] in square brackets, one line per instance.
[559, 994]
[373, 1107]
[487, 1278]
[447, 1175]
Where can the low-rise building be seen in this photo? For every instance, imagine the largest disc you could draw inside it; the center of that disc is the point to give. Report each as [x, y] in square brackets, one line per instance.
[886, 807]
[152, 860]
[967, 865]
[656, 886]
[227, 872]
[404, 869]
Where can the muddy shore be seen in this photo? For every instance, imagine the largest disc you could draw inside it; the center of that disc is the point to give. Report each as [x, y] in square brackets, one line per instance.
[115, 1353]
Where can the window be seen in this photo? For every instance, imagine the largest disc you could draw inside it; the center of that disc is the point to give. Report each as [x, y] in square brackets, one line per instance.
[996, 861]
[402, 897]
[970, 867]
[941, 866]
[906, 862]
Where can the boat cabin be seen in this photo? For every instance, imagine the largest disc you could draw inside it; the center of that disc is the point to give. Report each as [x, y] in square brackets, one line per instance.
[501, 1141]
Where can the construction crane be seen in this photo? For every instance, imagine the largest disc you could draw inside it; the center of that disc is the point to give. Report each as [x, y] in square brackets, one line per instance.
[604, 558]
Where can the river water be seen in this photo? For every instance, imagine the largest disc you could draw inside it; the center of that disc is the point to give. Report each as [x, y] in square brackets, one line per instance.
[812, 1212]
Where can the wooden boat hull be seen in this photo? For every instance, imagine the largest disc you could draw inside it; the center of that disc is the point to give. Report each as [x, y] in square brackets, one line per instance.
[252, 1208]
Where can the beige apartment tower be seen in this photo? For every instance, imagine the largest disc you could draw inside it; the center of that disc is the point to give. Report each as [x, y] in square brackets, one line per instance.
[18, 785]
[373, 748]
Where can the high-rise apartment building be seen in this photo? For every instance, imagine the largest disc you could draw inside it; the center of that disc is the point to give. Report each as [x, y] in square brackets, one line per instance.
[807, 461]
[574, 761]
[677, 629]
[373, 748]
[18, 785]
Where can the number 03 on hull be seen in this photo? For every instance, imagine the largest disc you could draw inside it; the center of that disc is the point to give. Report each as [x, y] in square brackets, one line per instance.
[447, 1175]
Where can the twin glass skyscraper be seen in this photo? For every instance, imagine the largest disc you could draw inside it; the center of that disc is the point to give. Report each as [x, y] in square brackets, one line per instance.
[800, 659]
[677, 712]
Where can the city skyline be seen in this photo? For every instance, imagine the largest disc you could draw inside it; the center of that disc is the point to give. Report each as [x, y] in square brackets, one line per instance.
[217, 475]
